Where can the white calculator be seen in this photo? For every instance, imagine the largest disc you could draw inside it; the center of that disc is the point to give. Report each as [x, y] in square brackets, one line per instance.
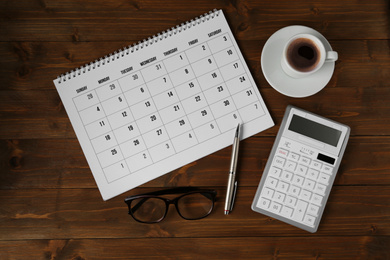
[301, 169]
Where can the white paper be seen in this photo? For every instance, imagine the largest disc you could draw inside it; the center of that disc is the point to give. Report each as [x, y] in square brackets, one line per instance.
[162, 106]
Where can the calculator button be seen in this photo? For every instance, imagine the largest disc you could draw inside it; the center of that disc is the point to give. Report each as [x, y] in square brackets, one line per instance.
[287, 144]
[313, 210]
[286, 211]
[271, 182]
[316, 165]
[312, 174]
[282, 152]
[305, 160]
[279, 161]
[301, 170]
[317, 199]
[309, 220]
[275, 172]
[320, 189]
[324, 178]
[282, 186]
[286, 176]
[294, 156]
[294, 190]
[290, 201]
[275, 207]
[309, 184]
[263, 203]
[300, 210]
[327, 169]
[279, 197]
[297, 180]
[305, 195]
[268, 193]
[291, 166]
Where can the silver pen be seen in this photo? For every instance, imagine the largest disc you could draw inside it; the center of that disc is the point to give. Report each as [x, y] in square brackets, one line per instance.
[232, 183]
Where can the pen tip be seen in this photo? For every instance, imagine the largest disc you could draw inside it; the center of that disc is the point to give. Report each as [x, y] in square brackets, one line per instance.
[238, 130]
[226, 212]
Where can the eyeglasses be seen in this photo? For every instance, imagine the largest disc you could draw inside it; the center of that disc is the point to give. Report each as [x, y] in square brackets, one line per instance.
[150, 208]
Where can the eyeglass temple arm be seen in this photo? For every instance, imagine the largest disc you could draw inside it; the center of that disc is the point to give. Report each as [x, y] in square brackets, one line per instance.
[139, 204]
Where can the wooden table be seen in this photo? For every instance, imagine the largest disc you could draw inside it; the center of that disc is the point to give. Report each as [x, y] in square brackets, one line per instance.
[50, 207]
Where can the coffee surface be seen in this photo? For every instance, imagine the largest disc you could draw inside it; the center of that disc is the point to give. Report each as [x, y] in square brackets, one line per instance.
[303, 55]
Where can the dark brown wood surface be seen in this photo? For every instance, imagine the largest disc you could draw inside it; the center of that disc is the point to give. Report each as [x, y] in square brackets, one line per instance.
[50, 207]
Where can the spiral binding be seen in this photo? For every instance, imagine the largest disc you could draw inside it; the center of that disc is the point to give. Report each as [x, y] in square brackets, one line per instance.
[137, 46]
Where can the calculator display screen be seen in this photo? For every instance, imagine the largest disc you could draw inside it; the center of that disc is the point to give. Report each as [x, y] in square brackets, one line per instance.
[314, 130]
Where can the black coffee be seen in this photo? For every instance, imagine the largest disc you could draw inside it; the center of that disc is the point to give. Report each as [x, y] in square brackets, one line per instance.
[303, 54]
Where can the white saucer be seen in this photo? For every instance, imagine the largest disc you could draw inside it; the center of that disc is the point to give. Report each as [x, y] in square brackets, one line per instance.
[272, 69]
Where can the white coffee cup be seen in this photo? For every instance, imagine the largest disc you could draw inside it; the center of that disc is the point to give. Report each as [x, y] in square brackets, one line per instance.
[304, 54]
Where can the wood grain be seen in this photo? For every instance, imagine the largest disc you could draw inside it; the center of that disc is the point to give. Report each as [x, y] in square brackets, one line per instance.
[339, 247]
[80, 213]
[134, 20]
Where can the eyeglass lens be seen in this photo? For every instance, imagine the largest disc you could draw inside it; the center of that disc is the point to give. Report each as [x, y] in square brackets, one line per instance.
[190, 206]
[150, 209]
[195, 205]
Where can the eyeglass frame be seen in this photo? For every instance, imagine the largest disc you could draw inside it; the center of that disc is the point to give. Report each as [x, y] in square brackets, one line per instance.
[185, 190]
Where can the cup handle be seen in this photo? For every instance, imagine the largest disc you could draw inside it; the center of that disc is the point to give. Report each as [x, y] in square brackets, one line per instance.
[331, 56]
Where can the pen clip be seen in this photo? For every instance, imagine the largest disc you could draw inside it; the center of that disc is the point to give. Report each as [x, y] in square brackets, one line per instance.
[233, 196]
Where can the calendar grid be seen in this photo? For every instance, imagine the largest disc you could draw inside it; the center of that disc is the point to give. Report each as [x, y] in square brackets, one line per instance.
[146, 83]
[171, 105]
[131, 113]
[216, 72]
[201, 91]
[227, 89]
[108, 135]
[166, 75]
[181, 105]
[261, 104]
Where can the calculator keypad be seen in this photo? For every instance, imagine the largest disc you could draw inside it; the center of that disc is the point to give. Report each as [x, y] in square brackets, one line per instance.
[295, 185]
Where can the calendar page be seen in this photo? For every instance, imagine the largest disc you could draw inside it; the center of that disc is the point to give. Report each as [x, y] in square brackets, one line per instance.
[163, 103]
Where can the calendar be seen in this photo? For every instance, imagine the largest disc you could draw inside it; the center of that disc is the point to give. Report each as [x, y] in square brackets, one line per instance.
[162, 103]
